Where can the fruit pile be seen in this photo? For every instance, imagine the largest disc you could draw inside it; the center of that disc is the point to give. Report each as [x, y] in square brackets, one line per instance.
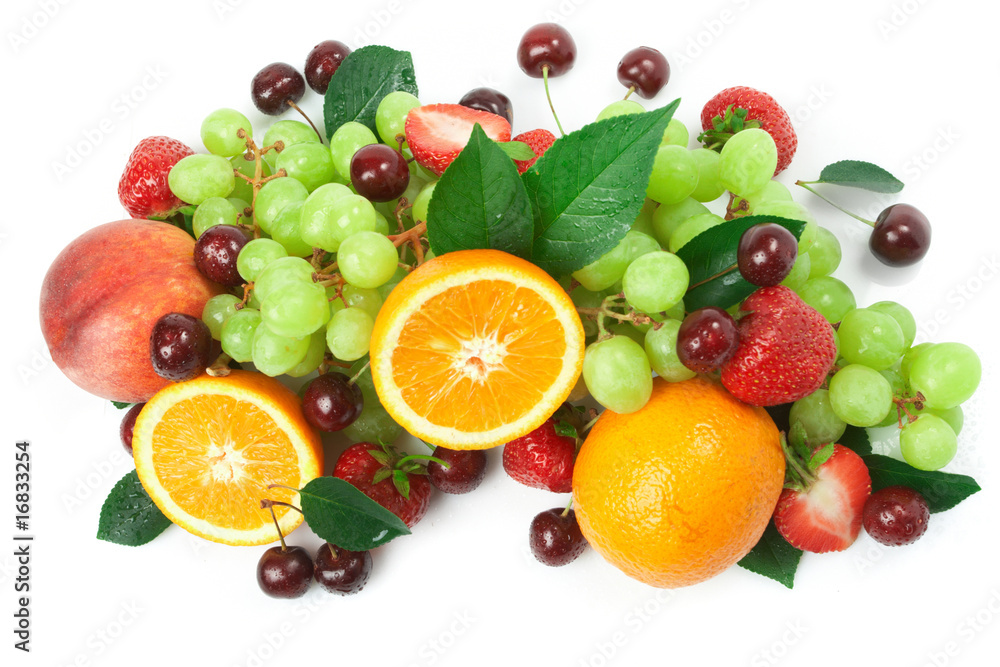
[423, 268]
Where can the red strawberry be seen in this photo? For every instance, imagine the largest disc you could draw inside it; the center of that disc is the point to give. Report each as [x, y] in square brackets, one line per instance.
[143, 188]
[822, 504]
[543, 459]
[720, 122]
[403, 489]
[539, 141]
[437, 133]
[786, 349]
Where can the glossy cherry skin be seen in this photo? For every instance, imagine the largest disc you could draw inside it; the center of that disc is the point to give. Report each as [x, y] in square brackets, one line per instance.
[379, 173]
[546, 45]
[707, 339]
[645, 69]
[331, 402]
[285, 573]
[556, 540]
[901, 237]
[341, 571]
[322, 63]
[491, 101]
[466, 471]
[274, 86]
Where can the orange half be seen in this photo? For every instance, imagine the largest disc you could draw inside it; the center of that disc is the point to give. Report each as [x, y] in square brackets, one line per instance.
[475, 348]
[206, 451]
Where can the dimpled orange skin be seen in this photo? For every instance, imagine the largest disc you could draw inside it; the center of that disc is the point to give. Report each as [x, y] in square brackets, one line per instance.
[679, 491]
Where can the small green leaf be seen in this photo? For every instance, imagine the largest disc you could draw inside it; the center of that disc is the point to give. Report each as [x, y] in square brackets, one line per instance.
[402, 483]
[129, 516]
[517, 150]
[342, 515]
[480, 202]
[856, 438]
[121, 405]
[565, 429]
[773, 557]
[364, 78]
[589, 186]
[858, 174]
[381, 474]
[942, 490]
[711, 261]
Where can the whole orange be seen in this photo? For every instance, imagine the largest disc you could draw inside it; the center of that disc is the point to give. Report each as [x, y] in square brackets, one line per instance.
[677, 492]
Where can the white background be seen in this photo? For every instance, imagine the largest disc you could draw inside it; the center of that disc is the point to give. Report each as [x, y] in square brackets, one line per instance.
[905, 84]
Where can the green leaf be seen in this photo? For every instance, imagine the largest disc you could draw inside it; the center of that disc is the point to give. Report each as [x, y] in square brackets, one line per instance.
[121, 405]
[565, 429]
[341, 514]
[858, 174]
[773, 557]
[129, 516]
[856, 439]
[480, 202]
[711, 261]
[589, 186]
[364, 78]
[942, 490]
[517, 150]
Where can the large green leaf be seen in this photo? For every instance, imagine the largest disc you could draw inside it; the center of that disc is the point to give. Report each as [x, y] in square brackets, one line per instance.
[342, 515]
[364, 78]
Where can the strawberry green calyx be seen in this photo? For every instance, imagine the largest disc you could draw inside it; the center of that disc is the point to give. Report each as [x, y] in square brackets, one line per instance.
[724, 127]
[399, 467]
[803, 459]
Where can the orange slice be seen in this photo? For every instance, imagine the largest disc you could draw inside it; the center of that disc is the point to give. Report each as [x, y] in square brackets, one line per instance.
[475, 348]
[207, 449]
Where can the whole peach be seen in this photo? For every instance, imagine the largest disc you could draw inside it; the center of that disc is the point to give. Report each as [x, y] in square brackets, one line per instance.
[102, 295]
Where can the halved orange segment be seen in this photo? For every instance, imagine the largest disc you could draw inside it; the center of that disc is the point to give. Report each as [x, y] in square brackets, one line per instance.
[207, 450]
[475, 348]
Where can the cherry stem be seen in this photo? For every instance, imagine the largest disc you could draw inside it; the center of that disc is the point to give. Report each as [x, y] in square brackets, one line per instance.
[804, 184]
[357, 375]
[589, 425]
[545, 79]
[631, 89]
[565, 512]
[270, 505]
[308, 119]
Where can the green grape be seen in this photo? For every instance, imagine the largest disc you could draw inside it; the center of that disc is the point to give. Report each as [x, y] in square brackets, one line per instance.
[274, 196]
[656, 281]
[238, 332]
[296, 309]
[274, 354]
[381, 224]
[410, 194]
[860, 396]
[608, 269]
[947, 375]
[279, 272]
[374, 424]
[677, 312]
[831, 297]
[773, 191]
[661, 349]
[620, 108]
[643, 222]
[345, 142]
[397, 278]
[367, 259]
[799, 274]
[243, 189]
[899, 388]
[241, 207]
[709, 186]
[216, 311]
[349, 333]
[390, 116]
[213, 211]
[870, 338]
[329, 220]
[368, 300]
[902, 315]
[584, 298]
[314, 355]
[928, 443]
[955, 417]
[676, 134]
[815, 413]
[690, 228]
[909, 357]
[748, 161]
[617, 374]
[286, 230]
[290, 133]
[666, 218]
[626, 330]
[219, 132]
[674, 176]
[824, 254]
[309, 164]
[257, 254]
[792, 211]
[198, 177]
[423, 201]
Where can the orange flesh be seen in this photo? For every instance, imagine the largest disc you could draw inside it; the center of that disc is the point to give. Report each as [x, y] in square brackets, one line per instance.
[216, 456]
[473, 360]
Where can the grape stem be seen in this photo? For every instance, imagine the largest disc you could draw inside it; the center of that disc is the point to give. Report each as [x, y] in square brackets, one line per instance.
[742, 209]
[220, 368]
[412, 236]
[545, 79]
[606, 310]
[308, 119]
[247, 289]
[805, 184]
[255, 154]
[401, 208]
